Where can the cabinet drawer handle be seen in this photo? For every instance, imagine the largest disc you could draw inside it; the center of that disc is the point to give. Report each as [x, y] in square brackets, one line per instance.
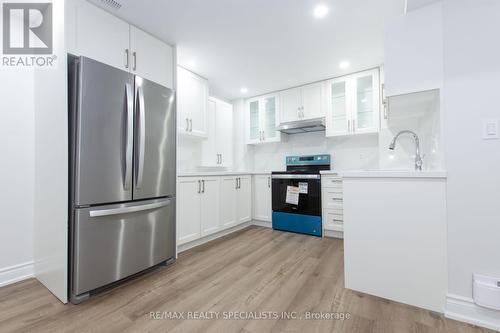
[134, 57]
[337, 199]
[126, 58]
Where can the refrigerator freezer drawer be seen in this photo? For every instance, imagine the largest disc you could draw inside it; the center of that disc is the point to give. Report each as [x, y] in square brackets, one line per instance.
[116, 241]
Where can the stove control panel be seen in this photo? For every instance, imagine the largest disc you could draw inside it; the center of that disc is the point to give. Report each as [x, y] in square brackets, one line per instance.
[323, 159]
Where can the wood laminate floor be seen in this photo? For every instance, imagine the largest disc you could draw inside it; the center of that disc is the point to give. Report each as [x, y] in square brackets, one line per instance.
[246, 273]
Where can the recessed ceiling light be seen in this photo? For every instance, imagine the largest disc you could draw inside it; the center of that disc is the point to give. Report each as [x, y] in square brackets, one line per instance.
[344, 64]
[243, 90]
[320, 11]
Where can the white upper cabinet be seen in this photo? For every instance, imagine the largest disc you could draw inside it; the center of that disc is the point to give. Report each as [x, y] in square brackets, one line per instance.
[353, 104]
[413, 51]
[262, 119]
[192, 103]
[151, 58]
[98, 35]
[217, 149]
[312, 101]
[291, 105]
[305, 102]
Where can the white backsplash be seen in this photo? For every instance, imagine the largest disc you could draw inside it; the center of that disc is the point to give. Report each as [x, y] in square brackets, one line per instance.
[355, 152]
[348, 153]
[419, 113]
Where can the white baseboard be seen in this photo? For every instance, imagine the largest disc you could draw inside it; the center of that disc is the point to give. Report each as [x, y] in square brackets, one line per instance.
[262, 223]
[198, 242]
[16, 273]
[464, 309]
[333, 234]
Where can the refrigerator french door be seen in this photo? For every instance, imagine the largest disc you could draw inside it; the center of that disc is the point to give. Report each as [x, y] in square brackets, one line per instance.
[122, 191]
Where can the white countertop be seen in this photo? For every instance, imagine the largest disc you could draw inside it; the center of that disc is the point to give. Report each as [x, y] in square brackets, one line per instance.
[330, 172]
[220, 173]
[392, 174]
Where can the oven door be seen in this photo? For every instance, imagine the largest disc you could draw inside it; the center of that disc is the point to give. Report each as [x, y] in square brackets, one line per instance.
[309, 198]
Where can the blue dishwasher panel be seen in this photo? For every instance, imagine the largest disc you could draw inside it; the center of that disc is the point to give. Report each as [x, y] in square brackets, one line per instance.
[304, 224]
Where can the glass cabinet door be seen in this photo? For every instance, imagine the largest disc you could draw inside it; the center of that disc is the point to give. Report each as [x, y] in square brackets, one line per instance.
[254, 121]
[339, 115]
[270, 109]
[365, 118]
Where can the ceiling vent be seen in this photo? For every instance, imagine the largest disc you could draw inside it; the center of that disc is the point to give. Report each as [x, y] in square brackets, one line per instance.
[112, 4]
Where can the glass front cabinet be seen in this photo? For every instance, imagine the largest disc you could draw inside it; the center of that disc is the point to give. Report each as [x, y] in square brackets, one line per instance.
[353, 104]
[262, 119]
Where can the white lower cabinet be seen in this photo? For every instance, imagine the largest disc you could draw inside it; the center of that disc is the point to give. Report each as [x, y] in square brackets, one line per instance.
[189, 209]
[244, 199]
[262, 209]
[207, 205]
[236, 203]
[228, 201]
[332, 204]
[210, 202]
[198, 202]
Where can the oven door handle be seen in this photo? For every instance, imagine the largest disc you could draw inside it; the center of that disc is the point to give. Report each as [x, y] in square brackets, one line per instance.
[295, 176]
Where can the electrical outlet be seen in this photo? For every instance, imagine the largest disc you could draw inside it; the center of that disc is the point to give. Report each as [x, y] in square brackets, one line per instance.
[490, 129]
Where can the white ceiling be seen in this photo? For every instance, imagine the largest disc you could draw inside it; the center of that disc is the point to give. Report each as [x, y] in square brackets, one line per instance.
[266, 45]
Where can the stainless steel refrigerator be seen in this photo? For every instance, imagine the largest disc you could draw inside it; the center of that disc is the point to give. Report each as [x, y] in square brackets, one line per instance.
[122, 175]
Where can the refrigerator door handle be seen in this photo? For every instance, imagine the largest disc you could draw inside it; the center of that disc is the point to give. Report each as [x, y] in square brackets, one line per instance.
[126, 210]
[130, 136]
[141, 137]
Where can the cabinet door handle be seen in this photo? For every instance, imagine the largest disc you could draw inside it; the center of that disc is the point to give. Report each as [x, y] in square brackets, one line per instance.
[187, 125]
[190, 125]
[220, 158]
[134, 58]
[269, 182]
[203, 190]
[263, 135]
[354, 125]
[236, 186]
[349, 125]
[199, 186]
[126, 58]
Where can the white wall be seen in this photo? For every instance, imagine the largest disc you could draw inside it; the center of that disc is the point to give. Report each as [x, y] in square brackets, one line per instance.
[353, 152]
[471, 92]
[16, 175]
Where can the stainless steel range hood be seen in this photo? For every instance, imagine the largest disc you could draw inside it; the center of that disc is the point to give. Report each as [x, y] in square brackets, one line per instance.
[303, 126]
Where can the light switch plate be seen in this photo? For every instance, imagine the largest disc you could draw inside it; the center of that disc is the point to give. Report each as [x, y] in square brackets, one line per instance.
[490, 129]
